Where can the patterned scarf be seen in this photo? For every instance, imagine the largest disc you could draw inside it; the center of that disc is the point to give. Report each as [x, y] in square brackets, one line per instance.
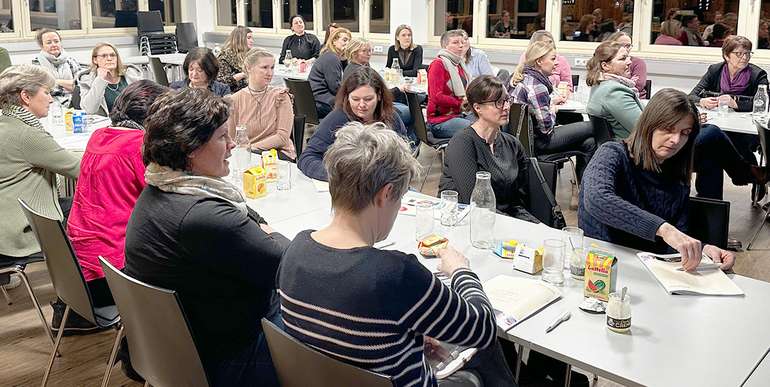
[23, 115]
[170, 180]
[60, 67]
[456, 82]
[539, 76]
[622, 80]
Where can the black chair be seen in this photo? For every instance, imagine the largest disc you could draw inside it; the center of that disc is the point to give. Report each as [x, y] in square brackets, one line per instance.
[422, 132]
[648, 88]
[708, 220]
[158, 71]
[602, 130]
[69, 283]
[541, 199]
[764, 142]
[298, 134]
[17, 266]
[298, 365]
[575, 82]
[75, 99]
[163, 351]
[304, 101]
[515, 119]
[186, 36]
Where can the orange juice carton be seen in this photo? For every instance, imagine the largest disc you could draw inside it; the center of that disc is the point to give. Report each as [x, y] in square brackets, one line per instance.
[254, 182]
[270, 164]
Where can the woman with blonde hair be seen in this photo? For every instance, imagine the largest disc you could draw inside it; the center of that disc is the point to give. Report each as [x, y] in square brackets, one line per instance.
[669, 33]
[231, 58]
[586, 29]
[106, 79]
[637, 71]
[357, 53]
[326, 74]
[265, 110]
[562, 72]
[408, 54]
[530, 86]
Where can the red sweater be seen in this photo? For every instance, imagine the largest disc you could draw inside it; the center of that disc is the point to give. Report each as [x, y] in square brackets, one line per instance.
[443, 105]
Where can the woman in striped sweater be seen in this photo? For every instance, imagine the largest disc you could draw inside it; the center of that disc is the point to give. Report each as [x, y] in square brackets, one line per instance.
[365, 322]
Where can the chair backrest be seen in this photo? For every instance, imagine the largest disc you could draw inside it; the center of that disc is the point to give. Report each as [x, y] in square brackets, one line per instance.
[297, 365]
[524, 134]
[75, 99]
[186, 36]
[5, 59]
[418, 119]
[515, 119]
[304, 101]
[162, 348]
[708, 220]
[540, 205]
[158, 71]
[63, 267]
[575, 82]
[764, 140]
[648, 88]
[602, 130]
[298, 134]
[149, 21]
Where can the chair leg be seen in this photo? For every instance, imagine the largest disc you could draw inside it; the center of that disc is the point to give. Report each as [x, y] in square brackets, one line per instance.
[5, 293]
[39, 310]
[113, 355]
[568, 376]
[430, 166]
[756, 233]
[56, 346]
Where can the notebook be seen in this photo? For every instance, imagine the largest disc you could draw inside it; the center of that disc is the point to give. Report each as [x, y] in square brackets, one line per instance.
[708, 282]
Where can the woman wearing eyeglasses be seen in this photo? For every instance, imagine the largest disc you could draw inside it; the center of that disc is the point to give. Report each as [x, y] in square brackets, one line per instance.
[101, 86]
[483, 147]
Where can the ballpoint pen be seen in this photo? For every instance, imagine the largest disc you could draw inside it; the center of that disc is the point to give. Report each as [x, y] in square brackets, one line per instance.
[562, 318]
[704, 267]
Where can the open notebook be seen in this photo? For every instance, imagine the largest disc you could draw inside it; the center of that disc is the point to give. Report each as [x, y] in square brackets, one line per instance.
[708, 282]
[514, 299]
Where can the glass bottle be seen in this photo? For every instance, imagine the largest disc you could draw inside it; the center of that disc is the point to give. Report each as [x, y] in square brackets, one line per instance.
[241, 153]
[483, 209]
[397, 69]
[760, 105]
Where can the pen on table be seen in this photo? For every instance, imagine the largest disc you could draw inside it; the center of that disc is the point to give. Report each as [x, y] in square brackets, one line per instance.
[562, 318]
[703, 267]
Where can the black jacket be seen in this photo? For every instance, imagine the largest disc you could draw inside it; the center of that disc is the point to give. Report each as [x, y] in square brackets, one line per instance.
[303, 47]
[709, 86]
[413, 62]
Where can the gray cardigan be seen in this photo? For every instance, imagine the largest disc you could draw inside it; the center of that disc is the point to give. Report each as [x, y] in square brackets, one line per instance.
[92, 89]
[616, 103]
[29, 161]
[325, 77]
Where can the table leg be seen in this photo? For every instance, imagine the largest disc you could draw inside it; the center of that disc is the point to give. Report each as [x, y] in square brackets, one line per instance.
[519, 354]
[568, 376]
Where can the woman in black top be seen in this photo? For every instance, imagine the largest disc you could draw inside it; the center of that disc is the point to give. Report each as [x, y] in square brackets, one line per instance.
[192, 232]
[483, 147]
[409, 55]
[303, 45]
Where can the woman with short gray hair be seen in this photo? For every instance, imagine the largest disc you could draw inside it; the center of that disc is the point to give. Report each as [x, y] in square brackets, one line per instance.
[29, 158]
[373, 326]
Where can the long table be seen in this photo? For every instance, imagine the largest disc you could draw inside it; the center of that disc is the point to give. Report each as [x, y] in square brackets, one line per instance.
[760, 377]
[674, 341]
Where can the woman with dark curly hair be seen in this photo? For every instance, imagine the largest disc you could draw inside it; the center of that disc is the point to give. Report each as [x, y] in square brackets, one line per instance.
[201, 68]
[192, 232]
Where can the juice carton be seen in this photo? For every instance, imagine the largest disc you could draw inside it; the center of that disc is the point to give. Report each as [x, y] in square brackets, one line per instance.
[78, 121]
[254, 183]
[601, 275]
[270, 164]
[68, 124]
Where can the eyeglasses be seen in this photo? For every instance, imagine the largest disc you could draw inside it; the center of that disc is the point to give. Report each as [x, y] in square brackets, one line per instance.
[743, 54]
[105, 56]
[501, 103]
[628, 46]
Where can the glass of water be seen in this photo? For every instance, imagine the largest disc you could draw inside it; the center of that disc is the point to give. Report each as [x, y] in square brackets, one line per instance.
[449, 207]
[423, 219]
[723, 107]
[553, 261]
[573, 244]
[284, 175]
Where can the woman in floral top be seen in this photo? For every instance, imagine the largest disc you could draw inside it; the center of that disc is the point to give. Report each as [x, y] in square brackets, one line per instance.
[231, 58]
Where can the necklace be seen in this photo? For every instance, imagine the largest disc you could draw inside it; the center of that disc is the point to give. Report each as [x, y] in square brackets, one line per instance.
[117, 86]
[256, 92]
[259, 96]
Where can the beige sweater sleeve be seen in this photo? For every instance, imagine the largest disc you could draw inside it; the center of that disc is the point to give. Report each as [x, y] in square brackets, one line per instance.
[41, 150]
[281, 128]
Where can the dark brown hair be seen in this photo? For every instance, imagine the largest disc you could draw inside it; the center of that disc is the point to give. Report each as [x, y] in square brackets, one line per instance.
[43, 31]
[178, 123]
[133, 102]
[366, 76]
[206, 59]
[483, 89]
[603, 54]
[665, 109]
[734, 41]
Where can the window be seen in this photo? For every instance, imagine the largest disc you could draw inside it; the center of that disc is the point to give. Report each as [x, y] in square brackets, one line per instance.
[593, 21]
[763, 40]
[514, 19]
[379, 16]
[342, 12]
[226, 13]
[693, 23]
[290, 8]
[453, 14]
[114, 13]
[6, 16]
[259, 13]
[42, 14]
[170, 10]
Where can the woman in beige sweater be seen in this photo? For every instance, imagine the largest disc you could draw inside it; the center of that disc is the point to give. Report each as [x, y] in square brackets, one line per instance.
[265, 110]
[29, 157]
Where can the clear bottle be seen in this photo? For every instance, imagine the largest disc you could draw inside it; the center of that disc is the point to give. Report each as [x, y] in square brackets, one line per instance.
[760, 104]
[483, 209]
[287, 59]
[397, 68]
[217, 49]
[241, 153]
[55, 113]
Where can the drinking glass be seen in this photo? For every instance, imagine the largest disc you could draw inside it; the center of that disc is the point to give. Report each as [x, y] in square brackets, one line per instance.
[553, 261]
[573, 244]
[424, 219]
[723, 107]
[284, 175]
[449, 207]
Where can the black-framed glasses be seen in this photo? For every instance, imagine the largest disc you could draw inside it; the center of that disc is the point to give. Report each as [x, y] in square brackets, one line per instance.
[502, 102]
[743, 54]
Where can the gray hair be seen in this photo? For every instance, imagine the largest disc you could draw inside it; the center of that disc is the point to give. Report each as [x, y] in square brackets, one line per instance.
[23, 77]
[362, 160]
[451, 34]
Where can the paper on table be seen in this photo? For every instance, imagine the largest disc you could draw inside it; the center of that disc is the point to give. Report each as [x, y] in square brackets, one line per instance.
[320, 186]
[710, 283]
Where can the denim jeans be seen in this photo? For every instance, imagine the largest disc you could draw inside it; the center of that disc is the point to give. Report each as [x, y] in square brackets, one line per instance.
[448, 128]
[714, 153]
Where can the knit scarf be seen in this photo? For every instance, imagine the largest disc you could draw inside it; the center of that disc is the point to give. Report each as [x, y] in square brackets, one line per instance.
[23, 115]
[736, 85]
[181, 182]
[58, 66]
[539, 76]
[456, 82]
[622, 80]
[128, 124]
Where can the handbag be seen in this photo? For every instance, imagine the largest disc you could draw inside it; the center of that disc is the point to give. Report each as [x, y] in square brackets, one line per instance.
[557, 220]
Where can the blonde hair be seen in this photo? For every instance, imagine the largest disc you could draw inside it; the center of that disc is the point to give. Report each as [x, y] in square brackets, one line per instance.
[254, 55]
[534, 52]
[671, 28]
[603, 54]
[23, 77]
[237, 43]
[333, 38]
[397, 45]
[354, 45]
[541, 35]
[120, 67]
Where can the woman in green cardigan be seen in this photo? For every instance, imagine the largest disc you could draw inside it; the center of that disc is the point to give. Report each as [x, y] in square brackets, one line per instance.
[613, 96]
[29, 158]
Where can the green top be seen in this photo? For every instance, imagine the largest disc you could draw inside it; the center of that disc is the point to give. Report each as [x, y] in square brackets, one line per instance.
[112, 92]
[617, 104]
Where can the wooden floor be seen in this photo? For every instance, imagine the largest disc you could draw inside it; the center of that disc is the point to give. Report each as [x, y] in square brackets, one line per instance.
[24, 348]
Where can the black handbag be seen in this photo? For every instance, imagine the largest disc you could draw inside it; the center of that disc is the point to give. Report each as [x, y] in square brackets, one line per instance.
[557, 220]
